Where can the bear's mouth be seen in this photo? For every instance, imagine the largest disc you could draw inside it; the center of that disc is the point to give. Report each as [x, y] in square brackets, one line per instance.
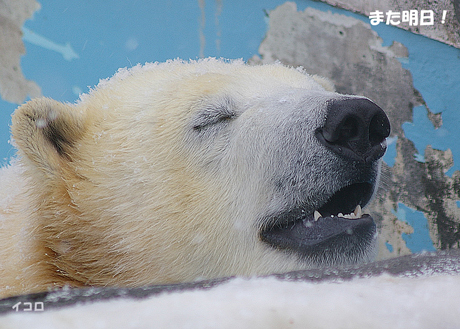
[337, 230]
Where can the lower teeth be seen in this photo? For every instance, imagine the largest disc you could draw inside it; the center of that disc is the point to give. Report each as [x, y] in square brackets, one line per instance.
[357, 213]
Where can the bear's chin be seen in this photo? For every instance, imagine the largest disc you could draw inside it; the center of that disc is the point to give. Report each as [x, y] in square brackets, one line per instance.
[337, 233]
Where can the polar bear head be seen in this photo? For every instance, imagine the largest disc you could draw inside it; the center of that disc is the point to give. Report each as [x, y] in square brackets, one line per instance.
[188, 170]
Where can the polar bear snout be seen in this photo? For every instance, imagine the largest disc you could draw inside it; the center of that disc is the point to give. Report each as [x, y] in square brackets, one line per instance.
[355, 128]
[317, 211]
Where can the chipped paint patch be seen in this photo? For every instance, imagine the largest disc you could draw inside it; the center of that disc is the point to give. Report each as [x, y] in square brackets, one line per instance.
[419, 240]
[389, 247]
[422, 133]
[14, 87]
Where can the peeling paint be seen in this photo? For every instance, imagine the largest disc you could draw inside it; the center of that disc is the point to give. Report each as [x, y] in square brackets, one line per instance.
[389, 247]
[441, 193]
[422, 133]
[13, 85]
[419, 240]
[354, 57]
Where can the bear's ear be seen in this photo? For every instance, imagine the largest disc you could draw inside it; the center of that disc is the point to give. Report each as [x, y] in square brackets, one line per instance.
[45, 131]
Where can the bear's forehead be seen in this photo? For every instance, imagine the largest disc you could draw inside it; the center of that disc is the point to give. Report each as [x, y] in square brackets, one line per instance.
[237, 73]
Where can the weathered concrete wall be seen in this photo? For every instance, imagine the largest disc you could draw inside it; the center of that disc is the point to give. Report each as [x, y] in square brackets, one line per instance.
[13, 86]
[350, 53]
[445, 29]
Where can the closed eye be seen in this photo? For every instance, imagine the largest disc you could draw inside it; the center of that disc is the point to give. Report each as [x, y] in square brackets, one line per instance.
[213, 115]
[212, 119]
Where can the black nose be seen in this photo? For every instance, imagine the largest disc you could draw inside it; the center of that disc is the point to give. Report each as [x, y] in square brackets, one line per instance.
[355, 128]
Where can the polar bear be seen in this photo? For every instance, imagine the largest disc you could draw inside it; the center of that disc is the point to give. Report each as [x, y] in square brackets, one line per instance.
[181, 171]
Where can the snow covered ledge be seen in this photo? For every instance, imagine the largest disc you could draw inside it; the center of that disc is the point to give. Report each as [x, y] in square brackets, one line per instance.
[417, 291]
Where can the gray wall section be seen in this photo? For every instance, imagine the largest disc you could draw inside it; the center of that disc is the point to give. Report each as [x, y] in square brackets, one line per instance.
[349, 53]
[13, 86]
[447, 31]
